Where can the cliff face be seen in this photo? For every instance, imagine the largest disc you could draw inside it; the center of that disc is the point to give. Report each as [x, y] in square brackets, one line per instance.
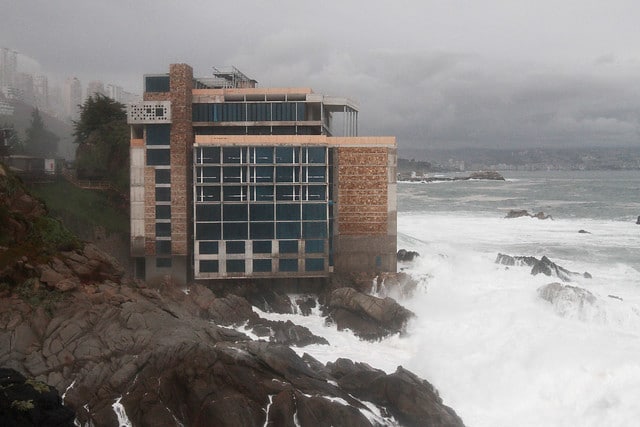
[163, 356]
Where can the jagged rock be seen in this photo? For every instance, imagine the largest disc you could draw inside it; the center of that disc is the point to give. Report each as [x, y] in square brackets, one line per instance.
[540, 266]
[367, 316]
[27, 402]
[407, 256]
[570, 301]
[488, 175]
[517, 213]
[516, 260]
[306, 304]
[412, 401]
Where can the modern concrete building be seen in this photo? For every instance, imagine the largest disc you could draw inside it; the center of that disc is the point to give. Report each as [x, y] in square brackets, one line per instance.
[229, 180]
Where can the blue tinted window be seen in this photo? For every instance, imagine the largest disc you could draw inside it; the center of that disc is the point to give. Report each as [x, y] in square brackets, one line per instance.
[285, 154]
[208, 174]
[261, 265]
[208, 248]
[163, 212]
[235, 266]
[235, 247]
[316, 192]
[208, 194]
[314, 230]
[163, 247]
[208, 213]
[261, 155]
[288, 264]
[163, 229]
[233, 174]
[163, 176]
[158, 134]
[314, 246]
[261, 212]
[287, 192]
[262, 174]
[234, 231]
[208, 155]
[163, 194]
[158, 157]
[262, 193]
[208, 266]
[156, 84]
[287, 211]
[262, 247]
[232, 155]
[235, 213]
[316, 155]
[288, 246]
[288, 230]
[235, 194]
[314, 264]
[206, 231]
[314, 211]
[285, 174]
[315, 174]
[262, 230]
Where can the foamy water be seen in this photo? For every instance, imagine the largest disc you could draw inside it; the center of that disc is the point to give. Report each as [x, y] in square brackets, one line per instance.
[498, 353]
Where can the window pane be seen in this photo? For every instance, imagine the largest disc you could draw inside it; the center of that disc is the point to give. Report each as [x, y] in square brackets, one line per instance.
[262, 174]
[156, 84]
[234, 231]
[208, 248]
[235, 213]
[314, 264]
[233, 174]
[235, 247]
[288, 230]
[262, 230]
[206, 231]
[163, 247]
[288, 192]
[208, 266]
[163, 194]
[287, 211]
[288, 264]
[284, 174]
[158, 134]
[316, 155]
[208, 155]
[314, 230]
[314, 211]
[315, 174]
[288, 246]
[316, 192]
[235, 266]
[163, 229]
[163, 176]
[163, 262]
[231, 154]
[284, 154]
[163, 212]
[261, 212]
[208, 213]
[314, 246]
[261, 155]
[208, 194]
[208, 174]
[158, 157]
[235, 194]
[261, 265]
[262, 247]
[262, 193]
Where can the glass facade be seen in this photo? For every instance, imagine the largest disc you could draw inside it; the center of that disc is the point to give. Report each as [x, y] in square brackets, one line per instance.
[261, 210]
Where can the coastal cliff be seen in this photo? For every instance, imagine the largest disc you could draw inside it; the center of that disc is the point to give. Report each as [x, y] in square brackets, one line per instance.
[125, 353]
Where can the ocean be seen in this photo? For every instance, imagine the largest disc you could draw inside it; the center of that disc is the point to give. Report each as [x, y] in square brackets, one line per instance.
[499, 354]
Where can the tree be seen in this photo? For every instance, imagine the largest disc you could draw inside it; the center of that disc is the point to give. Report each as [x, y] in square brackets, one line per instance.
[40, 141]
[102, 136]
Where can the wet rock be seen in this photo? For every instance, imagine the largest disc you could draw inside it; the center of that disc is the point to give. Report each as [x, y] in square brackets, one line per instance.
[306, 304]
[638, 221]
[570, 301]
[583, 232]
[540, 266]
[517, 213]
[487, 175]
[407, 256]
[367, 316]
[515, 260]
[27, 402]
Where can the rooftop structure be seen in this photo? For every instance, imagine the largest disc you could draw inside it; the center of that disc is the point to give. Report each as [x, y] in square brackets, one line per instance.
[229, 180]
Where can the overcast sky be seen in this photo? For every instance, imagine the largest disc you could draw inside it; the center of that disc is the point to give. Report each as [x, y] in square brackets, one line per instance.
[450, 73]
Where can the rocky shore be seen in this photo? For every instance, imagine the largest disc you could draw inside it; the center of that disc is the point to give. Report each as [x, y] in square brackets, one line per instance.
[121, 352]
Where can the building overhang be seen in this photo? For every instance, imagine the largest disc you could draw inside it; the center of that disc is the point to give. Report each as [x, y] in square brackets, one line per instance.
[331, 141]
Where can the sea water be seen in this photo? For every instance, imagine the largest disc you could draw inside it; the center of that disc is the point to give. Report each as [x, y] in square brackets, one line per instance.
[498, 353]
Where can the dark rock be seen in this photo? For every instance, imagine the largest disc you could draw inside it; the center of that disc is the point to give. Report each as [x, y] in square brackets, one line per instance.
[516, 260]
[407, 256]
[587, 275]
[27, 402]
[638, 221]
[549, 268]
[517, 213]
[306, 304]
[615, 297]
[568, 300]
[487, 175]
[583, 232]
[412, 401]
[367, 316]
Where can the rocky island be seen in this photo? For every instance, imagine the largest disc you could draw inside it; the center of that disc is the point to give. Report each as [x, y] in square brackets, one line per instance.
[121, 352]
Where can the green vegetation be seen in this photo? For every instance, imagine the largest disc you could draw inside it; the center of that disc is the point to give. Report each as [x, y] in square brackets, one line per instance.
[102, 135]
[82, 208]
[38, 386]
[22, 405]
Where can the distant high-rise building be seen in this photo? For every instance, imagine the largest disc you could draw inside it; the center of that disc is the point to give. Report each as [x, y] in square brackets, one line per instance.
[95, 87]
[41, 90]
[72, 97]
[8, 66]
[24, 84]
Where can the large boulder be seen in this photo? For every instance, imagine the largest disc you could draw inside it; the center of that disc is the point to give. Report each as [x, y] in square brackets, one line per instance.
[366, 316]
[407, 256]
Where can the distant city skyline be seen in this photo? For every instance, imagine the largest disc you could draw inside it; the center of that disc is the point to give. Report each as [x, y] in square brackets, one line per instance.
[489, 74]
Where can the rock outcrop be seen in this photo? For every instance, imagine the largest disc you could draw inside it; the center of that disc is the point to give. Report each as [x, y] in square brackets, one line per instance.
[366, 316]
[540, 266]
[407, 256]
[517, 213]
[487, 175]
